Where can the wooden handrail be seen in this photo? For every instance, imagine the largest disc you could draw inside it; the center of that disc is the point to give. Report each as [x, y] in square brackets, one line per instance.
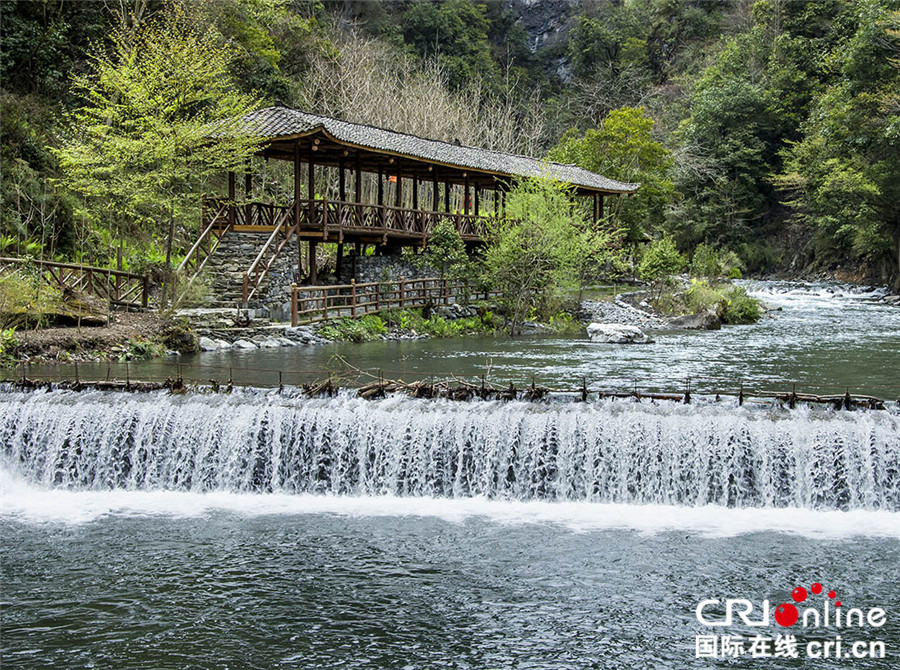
[196, 246]
[256, 269]
[72, 266]
[119, 287]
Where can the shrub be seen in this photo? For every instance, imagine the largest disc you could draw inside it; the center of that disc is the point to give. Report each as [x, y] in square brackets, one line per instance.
[711, 263]
[8, 346]
[741, 307]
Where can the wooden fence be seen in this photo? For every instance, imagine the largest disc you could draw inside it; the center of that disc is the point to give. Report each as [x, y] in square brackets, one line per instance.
[310, 304]
[117, 287]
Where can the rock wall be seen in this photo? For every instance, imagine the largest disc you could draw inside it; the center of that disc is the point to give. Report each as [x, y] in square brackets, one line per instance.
[378, 268]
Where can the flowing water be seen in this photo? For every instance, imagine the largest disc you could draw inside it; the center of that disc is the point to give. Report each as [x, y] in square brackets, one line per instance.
[266, 530]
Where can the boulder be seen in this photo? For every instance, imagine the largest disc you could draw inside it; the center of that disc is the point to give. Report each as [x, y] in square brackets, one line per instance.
[244, 344]
[706, 320]
[223, 344]
[208, 344]
[270, 343]
[617, 333]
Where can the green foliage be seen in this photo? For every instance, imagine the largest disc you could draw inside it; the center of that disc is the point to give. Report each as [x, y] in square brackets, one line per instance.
[731, 303]
[139, 148]
[660, 260]
[446, 252]
[373, 326]
[541, 251]
[364, 329]
[141, 349]
[843, 174]
[712, 263]
[26, 301]
[9, 346]
[455, 32]
[623, 148]
[741, 308]
[438, 326]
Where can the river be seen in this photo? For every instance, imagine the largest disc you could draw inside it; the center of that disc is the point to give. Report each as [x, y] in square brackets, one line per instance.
[822, 337]
[267, 530]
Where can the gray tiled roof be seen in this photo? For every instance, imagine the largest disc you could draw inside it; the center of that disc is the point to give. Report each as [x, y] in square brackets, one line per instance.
[274, 122]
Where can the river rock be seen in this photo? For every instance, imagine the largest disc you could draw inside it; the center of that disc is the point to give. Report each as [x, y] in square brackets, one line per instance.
[223, 344]
[617, 333]
[270, 343]
[208, 344]
[707, 320]
[244, 344]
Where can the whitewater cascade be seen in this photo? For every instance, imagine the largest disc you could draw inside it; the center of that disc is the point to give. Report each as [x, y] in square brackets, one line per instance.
[615, 452]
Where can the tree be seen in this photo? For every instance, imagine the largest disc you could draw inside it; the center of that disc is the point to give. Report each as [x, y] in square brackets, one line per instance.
[446, 251]
[141, 145]
[623, 148]
[843, 174]
[661, 260]
[541, 250]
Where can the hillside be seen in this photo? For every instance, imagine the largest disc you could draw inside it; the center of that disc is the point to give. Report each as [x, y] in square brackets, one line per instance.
[777, 121]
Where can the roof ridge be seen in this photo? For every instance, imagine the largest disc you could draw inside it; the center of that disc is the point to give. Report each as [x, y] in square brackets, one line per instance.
[424, 148]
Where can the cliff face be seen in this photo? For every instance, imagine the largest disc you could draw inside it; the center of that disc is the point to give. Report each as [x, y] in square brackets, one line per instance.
[547, 23]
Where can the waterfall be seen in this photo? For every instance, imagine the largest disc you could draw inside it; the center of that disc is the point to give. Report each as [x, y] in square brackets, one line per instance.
[611, 451]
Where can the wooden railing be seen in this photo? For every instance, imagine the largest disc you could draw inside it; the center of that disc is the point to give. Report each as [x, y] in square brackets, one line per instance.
[311, 304]
[115, 286]
[213, 225]
[335, 218]
[277, 240]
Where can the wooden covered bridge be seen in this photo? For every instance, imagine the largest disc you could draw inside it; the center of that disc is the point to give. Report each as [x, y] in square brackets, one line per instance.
[361, 185]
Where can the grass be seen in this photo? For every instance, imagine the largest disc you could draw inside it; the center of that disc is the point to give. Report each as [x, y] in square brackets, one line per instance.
[732, 304]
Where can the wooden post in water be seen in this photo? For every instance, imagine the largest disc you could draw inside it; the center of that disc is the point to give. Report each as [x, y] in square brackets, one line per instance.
[294, 315]
[402, 288]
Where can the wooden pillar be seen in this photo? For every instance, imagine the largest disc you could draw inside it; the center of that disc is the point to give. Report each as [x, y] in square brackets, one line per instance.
[380, 187]
[466, 193]
[358, 178]
[311, 177]
[248, 190]
[600, 206]
[435, 196]
[477, 190]
[415, 198]
[311, 187]
[594, 215]
[342, 181]
[398, 194]
[297, 208]
[312, 262]
[231, 196]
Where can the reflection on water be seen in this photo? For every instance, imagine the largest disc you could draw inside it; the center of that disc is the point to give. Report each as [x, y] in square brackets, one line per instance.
[824, 337]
